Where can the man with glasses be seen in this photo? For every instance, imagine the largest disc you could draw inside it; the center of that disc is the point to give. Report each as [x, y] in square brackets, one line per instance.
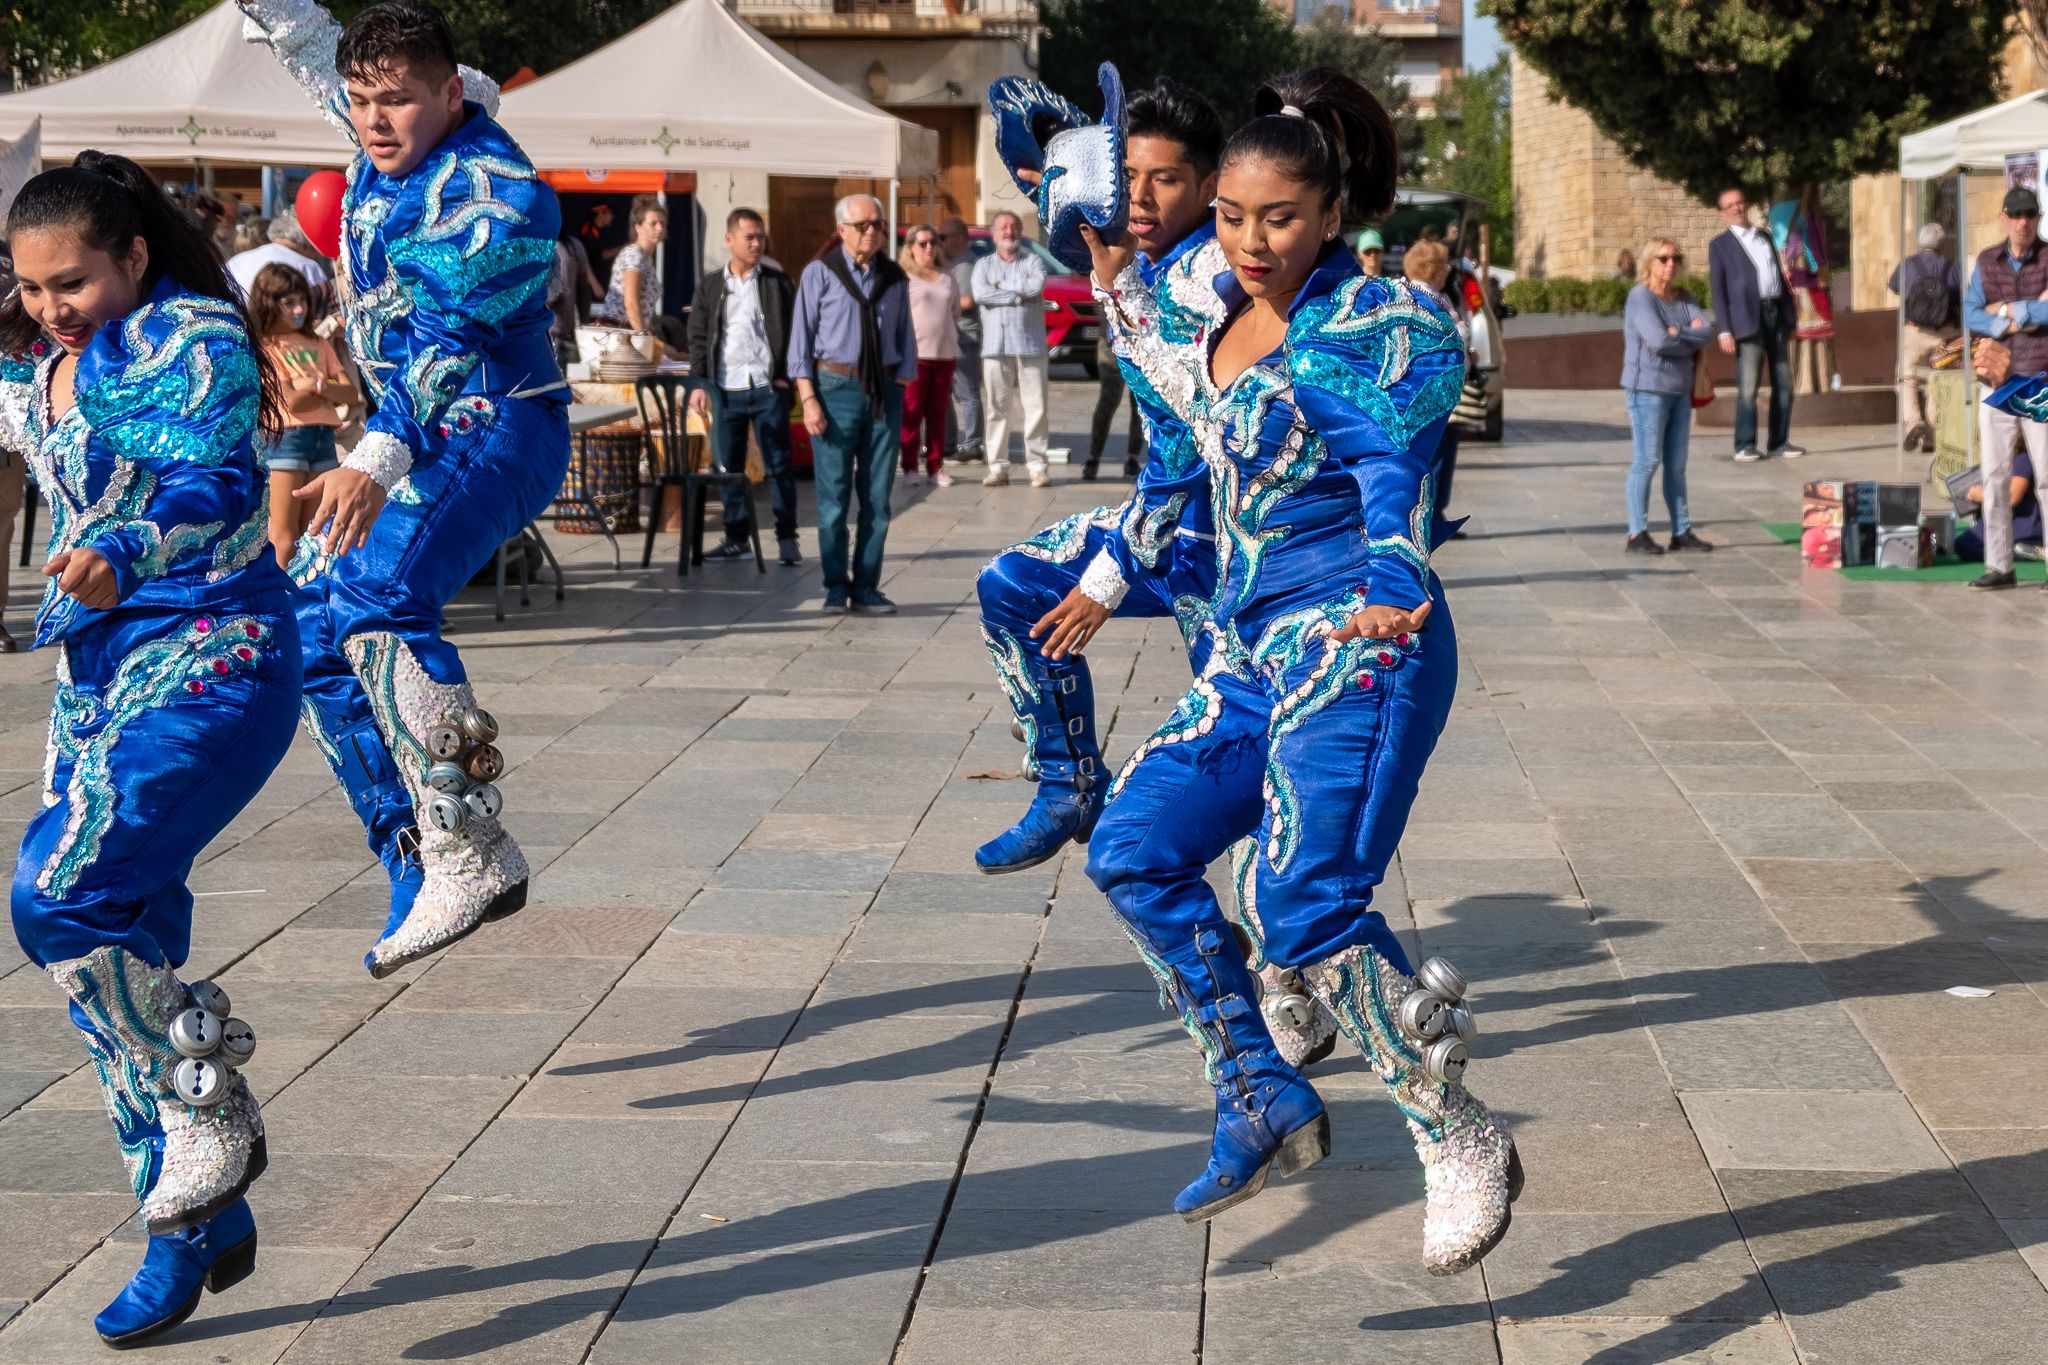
[851, 352]
[1754, 307]
[2005, 300]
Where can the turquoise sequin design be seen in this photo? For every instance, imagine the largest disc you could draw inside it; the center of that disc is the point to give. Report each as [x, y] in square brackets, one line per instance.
[1014, 673]
[1150, 532]
[1064, 540]
[129, 1090]
[375, 658]
[152, 676]
[178, 375]
[1286, 644]
[1379, 328]
[1363, 1012]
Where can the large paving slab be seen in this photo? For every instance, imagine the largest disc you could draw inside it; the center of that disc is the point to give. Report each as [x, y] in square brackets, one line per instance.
[768, 1072]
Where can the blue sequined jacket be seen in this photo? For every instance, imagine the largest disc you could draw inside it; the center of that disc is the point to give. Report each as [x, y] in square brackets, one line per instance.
[1153, 314]
[446, 266]
[1320, 454]
[154, 467]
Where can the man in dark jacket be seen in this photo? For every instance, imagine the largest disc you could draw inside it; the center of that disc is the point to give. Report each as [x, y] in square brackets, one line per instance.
[739, 345]
[1753, 304]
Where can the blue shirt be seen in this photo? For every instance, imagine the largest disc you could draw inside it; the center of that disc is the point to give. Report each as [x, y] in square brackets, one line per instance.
[2025, 312]
[827, 323]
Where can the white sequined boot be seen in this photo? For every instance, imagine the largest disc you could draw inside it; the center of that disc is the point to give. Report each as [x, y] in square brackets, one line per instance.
[442, 744]
[1302, 1029]
[182, 1048]
[1413, 1032]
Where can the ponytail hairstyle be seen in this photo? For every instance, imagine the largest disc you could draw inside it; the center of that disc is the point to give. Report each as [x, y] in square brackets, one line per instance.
[108, 201]
[1322, 128]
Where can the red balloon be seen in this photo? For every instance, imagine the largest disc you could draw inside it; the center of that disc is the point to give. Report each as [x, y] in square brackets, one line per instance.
[319, 208]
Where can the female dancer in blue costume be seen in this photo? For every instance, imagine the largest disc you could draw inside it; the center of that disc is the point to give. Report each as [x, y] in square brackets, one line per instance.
[1316, 399]
[1044, 600]
[130, 385]
[448, 241]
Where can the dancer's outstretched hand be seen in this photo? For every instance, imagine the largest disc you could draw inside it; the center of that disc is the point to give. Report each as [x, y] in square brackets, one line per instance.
[1072, 624]
[1377, 623]
[83, 574]
[349, 503]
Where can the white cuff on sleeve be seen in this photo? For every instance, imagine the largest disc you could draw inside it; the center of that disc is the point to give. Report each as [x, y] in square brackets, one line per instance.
[1103, 582]
[382, 456]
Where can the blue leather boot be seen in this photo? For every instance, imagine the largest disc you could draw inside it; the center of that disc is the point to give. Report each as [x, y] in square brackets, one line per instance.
[1056, 706]
[363, 764]
[1269, 1119]
[212, 1256]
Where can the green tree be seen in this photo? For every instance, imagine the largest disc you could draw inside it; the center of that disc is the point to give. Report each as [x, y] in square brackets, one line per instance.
[1374, 61]
[1766, 94]
[1222, 48]
[1468, 147]
[46, 40]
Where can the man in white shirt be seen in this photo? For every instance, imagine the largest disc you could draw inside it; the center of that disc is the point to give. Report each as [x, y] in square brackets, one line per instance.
[1009, 293]
[1753, 307]
[738, 338]
[287, 246]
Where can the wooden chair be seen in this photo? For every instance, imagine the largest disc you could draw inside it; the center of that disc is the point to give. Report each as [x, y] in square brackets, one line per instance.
[664, 406]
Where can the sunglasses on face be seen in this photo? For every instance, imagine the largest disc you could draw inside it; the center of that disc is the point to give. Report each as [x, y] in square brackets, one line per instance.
[2023, 217]
[865, 225]
[1667, 260]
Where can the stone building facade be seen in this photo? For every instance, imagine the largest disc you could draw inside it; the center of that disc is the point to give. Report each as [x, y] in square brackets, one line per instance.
[1578, 201]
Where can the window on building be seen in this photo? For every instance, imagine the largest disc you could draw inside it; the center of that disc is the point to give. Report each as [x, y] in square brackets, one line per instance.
[1307, 11]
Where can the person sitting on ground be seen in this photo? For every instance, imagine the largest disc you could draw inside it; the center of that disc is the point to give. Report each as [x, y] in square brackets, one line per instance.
[2026, 516]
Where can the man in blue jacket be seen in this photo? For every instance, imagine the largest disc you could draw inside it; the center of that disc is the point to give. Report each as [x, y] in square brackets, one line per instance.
[1753, 303]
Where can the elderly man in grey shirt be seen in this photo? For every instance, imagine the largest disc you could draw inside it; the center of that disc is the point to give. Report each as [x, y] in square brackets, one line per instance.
[1009, 293]
[851, 352]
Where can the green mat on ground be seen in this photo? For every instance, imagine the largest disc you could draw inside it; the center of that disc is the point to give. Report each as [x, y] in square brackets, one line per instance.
[1946, 568]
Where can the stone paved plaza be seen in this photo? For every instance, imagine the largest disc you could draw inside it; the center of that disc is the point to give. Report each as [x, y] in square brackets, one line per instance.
[768, 1073]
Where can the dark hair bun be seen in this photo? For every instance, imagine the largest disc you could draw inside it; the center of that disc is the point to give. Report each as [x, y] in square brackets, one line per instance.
[1342, 141]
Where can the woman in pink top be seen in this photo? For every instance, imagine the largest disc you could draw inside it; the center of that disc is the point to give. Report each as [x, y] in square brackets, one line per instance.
[934, 306]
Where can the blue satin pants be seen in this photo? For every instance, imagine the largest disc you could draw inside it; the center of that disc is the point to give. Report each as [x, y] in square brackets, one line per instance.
[1023, 583]
[164, 726]
[1318, 755]
[438, 528]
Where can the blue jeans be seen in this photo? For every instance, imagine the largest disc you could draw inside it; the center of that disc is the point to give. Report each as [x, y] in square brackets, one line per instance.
[1662, 423]
[855, 458]
[1772, 343]
[766, 409]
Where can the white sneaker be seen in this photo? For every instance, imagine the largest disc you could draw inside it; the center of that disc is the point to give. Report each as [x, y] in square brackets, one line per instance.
[998, 476]
[912, 478]
[1788, 452]
[1748, 455]
[942, 479]
[1040, 479]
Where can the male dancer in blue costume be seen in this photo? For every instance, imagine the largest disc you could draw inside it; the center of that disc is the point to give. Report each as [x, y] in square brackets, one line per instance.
[128, 381]
[1044, 600]
[1315, 397]
[448, 239]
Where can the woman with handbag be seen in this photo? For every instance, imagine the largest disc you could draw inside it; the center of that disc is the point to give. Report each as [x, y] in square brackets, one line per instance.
[1663, 332]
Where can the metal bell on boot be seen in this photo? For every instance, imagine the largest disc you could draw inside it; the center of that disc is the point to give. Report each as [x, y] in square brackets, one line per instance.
[480, 725]
[447, 813]
[1444, 1060]
[201, 1082]
[447, 778]
[1422, 1016]
[484, 801]
[237, 1042]
[211, 998]
[195, 1033]
[1442, 980]
[445, 743]
[486, 764]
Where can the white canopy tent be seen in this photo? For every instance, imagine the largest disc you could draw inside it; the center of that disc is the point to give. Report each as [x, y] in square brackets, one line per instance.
[1979, 141]
[197, 95]
[697, 89]
[18, 161]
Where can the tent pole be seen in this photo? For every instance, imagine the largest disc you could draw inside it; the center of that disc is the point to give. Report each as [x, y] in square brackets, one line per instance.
[894, 185]
[1906, 231]
[1972, 455]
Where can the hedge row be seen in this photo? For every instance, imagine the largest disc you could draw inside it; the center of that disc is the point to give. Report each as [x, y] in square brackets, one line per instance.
[1605, 297]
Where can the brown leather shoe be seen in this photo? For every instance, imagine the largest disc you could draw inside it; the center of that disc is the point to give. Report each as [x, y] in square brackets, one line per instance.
[7, 642]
